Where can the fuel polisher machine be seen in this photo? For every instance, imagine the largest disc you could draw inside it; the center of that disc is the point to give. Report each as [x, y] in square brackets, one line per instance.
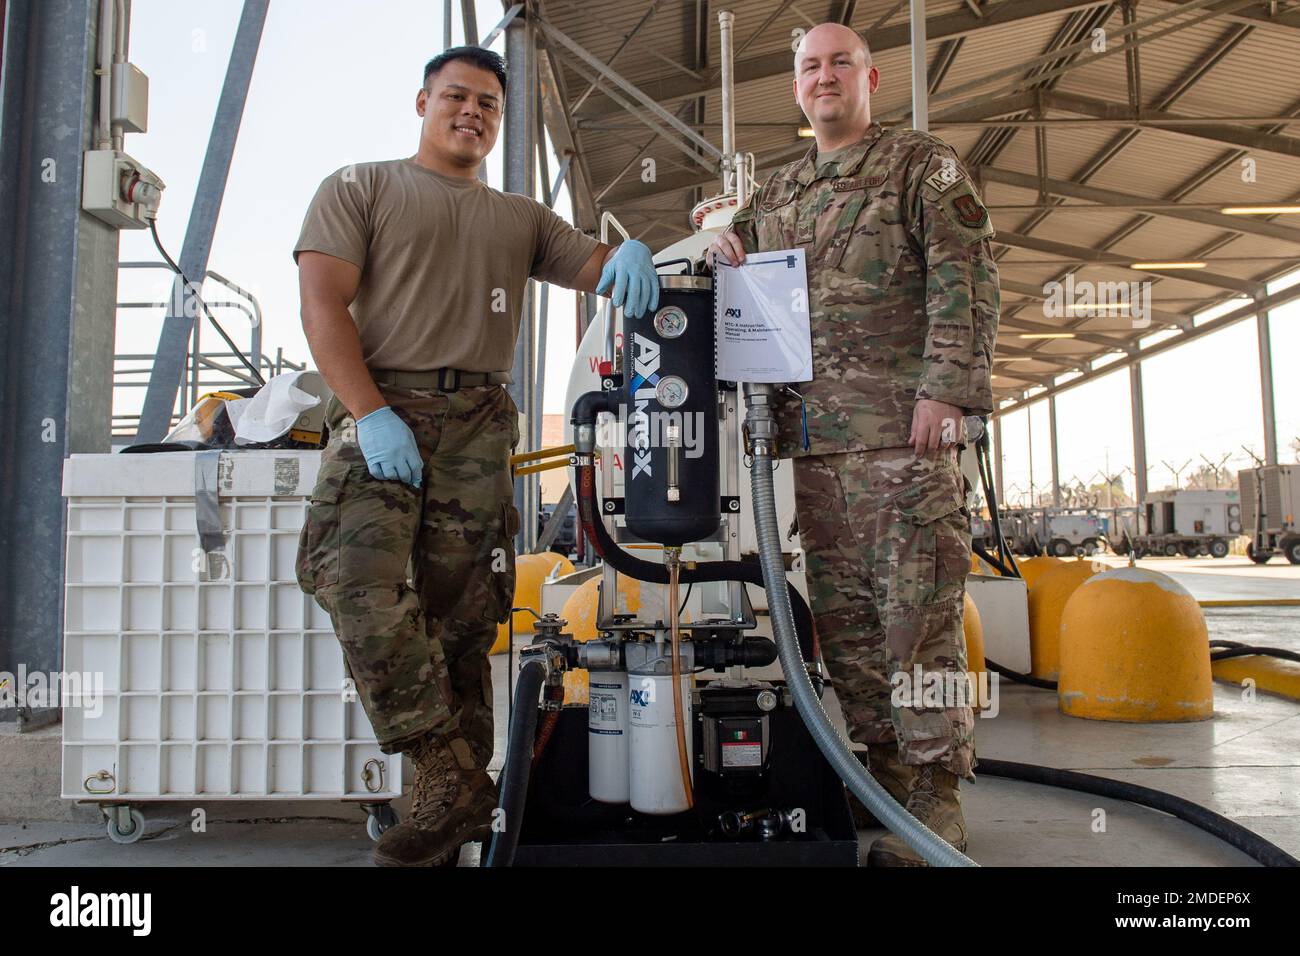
[687, 754]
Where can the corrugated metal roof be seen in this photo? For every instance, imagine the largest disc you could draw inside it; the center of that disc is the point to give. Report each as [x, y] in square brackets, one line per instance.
[1255, 77]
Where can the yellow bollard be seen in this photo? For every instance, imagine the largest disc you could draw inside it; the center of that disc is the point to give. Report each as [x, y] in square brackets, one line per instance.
[554, 560]
[1134, 648]
[1047, 597]
[530, 571]
[1031, 569]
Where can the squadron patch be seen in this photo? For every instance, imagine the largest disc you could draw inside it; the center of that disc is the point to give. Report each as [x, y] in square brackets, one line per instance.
[969, 211]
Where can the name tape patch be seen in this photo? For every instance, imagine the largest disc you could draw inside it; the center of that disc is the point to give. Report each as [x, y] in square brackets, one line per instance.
[862, 182]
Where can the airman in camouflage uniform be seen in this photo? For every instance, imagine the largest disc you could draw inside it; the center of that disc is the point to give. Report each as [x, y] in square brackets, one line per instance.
[903, 303]
[412, 275]
[418, 652]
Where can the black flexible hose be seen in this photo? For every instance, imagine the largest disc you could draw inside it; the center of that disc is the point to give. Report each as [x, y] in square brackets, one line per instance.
[1018, 677]
[1251, 650]
[984, 465]
[513, 783]
[992, 560]
[1252, 844]
[194, 290]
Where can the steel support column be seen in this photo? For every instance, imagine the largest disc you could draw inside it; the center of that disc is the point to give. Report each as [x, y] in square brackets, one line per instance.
[520, 163]
[1266, 387]
[469, 18]
[920, 69]
[169, 360]
[1139, 433]
[997, 462]
[1056, 458]
[58, 286]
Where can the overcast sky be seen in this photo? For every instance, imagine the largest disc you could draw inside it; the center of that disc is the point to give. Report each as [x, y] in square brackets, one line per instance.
[335, 83]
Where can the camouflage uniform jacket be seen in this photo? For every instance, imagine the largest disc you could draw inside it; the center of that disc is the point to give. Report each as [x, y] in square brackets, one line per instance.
[902, 285]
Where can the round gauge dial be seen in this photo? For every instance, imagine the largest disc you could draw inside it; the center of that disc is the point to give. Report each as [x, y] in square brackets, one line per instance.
[670, 322]
[671, 391]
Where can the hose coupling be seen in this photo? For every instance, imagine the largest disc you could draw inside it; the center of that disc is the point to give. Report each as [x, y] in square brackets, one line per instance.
[603, 655]
[760, 418]
[584, 444]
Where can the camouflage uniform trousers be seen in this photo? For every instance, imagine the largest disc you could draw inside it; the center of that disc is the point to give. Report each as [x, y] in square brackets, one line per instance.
[416, 580]
[886, 539]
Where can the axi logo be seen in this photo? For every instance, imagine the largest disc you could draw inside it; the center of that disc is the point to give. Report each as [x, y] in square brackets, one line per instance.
[641, 698]
[645, 376]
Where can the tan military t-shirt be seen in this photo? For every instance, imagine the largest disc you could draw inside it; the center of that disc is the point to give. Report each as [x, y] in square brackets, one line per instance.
[444, 262]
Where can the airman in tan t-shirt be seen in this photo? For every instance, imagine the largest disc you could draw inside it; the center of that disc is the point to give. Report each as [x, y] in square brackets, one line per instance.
[444, 262]
[408, 267]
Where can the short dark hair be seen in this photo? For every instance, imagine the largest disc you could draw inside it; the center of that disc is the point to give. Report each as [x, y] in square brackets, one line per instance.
[476, 55]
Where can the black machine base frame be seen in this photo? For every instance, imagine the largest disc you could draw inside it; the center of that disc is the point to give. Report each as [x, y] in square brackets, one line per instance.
[563, 826]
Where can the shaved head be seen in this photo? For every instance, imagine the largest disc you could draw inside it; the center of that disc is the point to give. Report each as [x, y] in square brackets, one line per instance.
[832, 38]
[833, 83]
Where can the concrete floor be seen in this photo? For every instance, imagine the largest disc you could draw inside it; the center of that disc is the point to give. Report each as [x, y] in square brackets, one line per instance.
[1231, 578]
[1244, 764]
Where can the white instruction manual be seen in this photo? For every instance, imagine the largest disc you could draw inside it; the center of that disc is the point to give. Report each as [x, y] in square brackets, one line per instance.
[763, 332]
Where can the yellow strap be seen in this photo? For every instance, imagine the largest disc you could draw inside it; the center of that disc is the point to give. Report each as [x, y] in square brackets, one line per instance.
[563, 462]
[542, 453]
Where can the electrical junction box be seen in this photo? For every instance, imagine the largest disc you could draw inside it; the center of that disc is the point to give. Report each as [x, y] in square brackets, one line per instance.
[118, 190]
[130, 109]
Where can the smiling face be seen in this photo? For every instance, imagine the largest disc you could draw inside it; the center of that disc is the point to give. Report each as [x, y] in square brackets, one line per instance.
[833, 81]
[461, 107]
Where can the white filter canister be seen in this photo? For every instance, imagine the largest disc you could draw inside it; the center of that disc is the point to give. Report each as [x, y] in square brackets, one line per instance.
[656, 777]
[607, 736]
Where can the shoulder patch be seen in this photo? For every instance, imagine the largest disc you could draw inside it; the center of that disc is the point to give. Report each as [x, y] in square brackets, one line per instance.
[944, 178]
[969, 211]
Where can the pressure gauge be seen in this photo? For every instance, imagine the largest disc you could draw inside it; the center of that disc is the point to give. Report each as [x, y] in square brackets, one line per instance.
[671, 391]
[670, 322]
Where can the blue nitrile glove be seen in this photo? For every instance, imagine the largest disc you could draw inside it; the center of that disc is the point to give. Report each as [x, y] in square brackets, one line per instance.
[389, 446]
[632, 272]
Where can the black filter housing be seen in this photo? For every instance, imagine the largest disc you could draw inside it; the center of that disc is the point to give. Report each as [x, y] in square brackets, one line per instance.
[667, 358]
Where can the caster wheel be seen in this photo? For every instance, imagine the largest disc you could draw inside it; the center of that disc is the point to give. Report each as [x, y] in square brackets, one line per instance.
[130, 835]
[379, 820]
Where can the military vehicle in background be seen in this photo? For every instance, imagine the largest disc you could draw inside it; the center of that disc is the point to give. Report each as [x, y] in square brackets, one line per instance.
[1270, 498]
[1185, 522]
